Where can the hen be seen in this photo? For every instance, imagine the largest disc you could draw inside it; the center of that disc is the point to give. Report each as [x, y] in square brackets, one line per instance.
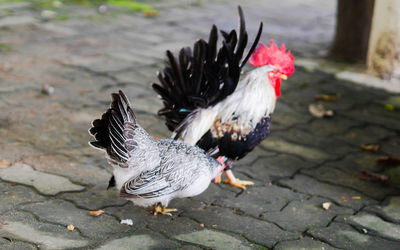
[207, 103]
[149, 171]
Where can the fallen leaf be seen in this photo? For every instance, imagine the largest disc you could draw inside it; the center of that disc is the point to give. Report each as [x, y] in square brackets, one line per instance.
[128, 222]
[369, 176]
[356, 197]
[151, 13]
[96, 213]
[157, 137]
[372, 148]
[389, 107]
[13, 184]
[4, 164]
[388, 160]
[201, 225]
[7, 238]
[318, 110]
[326, 205]
[70, 227]
[325, 97]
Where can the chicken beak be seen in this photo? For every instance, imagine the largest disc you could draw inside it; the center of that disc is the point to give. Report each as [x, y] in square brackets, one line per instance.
[284, 77]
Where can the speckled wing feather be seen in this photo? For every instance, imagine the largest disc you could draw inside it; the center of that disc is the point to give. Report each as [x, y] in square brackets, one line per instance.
[126, 143]
[178, 168]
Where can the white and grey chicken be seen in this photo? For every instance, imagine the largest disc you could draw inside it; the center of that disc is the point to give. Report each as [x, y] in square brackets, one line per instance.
[148, 171]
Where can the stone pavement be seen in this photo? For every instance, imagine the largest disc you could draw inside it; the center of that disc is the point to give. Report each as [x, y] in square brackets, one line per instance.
[50, 178]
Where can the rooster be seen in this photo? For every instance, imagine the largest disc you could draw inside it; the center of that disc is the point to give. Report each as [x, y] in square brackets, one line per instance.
[207, 103]
[147, 171]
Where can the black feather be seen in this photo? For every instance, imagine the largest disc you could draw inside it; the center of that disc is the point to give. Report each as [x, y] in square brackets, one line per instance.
[201, 79]
[109, 131]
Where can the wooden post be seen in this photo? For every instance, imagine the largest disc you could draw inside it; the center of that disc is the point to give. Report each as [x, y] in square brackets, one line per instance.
[353, 29]
[384, 44]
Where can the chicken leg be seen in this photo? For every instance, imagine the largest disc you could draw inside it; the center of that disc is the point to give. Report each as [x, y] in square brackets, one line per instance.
[159, 209]
[235, 181]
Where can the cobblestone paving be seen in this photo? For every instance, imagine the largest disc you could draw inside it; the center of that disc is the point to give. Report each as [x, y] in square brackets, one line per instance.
[50, 178]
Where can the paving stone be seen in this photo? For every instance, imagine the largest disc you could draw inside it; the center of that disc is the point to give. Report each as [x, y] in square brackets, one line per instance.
[213, 239]
[327, 127]
[285, 117]
[303, 244]
[343, 196]
[346, 237]
[306, 214]
[393, 100]
[297, 149]
[45, 183]
[387, 118]
[390, 209]
[96, 198]
[15, 245]
[62, 212]
[367, 135]
[391, 146]
[333, 146]
[393, 175]
[257, 200]
[22, 226]
[258, 231]
[272, 168]
[13, 6]
[12, 195]
[377, 225]
[141, 240]
[330, 174]
[11, 21]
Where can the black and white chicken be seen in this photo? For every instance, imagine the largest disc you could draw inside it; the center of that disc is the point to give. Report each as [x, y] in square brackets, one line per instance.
[207, 103]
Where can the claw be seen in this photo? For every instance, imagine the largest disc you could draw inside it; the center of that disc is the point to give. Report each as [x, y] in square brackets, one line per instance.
[236, 182]
[158, 209]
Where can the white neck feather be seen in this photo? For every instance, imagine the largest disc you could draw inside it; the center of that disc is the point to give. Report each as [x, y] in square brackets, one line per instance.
[253, 99]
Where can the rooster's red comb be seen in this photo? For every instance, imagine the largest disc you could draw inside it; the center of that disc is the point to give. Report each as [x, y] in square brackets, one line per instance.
[263, 55]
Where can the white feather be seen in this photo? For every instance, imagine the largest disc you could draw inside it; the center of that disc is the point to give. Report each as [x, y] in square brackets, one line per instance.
[253, 99]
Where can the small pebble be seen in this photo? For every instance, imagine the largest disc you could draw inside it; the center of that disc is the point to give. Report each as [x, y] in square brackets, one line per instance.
[47, 89]
[128, 222]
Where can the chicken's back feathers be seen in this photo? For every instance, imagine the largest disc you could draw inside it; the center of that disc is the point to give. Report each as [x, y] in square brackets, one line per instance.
[204, 77]
[118, 133]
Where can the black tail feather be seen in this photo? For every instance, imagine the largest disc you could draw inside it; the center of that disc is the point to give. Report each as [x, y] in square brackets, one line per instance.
[109, 130]
[204, 77]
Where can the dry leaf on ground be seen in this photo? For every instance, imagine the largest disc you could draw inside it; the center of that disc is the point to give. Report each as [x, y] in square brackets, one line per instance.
[388, 160]
[151, 13]
[4, 164]
[70, 227]
[372, 148]
[96, 213]
[325, 97]
[318, 110]
[370, 176]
